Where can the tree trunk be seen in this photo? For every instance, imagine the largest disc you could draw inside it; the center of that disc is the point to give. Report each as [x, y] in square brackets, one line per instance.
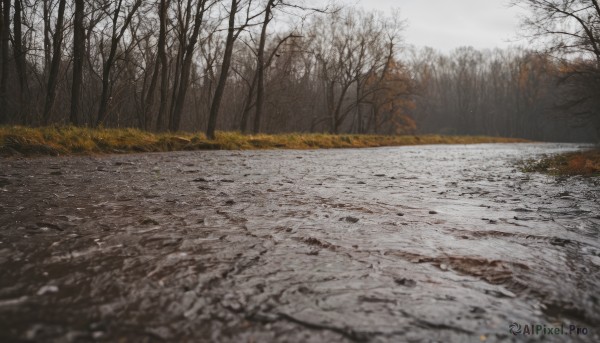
[108, 64]
[164, 90]
[186, 69]
[160, 51]
[177, 75]
[338, 117]
[47, 36]
[248, 106]
[260, 68]
[4, 36]
[249, 102]
[20, 63]
[105, 97]
[148, 99]
[55, 64]
[216, 103]
[162, 55]
[78, 52]
[184, 26]
[332, 109]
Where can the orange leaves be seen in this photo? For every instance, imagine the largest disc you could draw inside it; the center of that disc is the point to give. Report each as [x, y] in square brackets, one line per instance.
[391, 99]
[403, 125]
[585, 163]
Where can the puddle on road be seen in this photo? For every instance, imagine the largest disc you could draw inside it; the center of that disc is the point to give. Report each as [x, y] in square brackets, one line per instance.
[425, 243]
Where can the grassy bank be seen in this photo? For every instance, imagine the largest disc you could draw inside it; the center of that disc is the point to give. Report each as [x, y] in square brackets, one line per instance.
[585, 163]
[25, 141]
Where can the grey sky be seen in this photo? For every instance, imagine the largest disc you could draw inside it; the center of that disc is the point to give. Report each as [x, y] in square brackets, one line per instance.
[447, 24]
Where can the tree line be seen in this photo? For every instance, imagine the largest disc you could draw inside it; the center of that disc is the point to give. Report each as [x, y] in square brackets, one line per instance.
[510, 92]
[273, 66]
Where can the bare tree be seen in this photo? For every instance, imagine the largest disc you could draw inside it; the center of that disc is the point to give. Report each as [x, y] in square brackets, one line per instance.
[78, 56]
[250, 101]
[4, 68]
[118, 29]
[349, 48]
[147, 98]
[55, 62]
[20, 63]
[252, 97]
[233, 33]
[162, 63]
[187, 54]
[260, 65]
[570, 28]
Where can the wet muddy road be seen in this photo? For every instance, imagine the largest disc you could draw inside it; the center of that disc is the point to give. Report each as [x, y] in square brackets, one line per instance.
[417, 244]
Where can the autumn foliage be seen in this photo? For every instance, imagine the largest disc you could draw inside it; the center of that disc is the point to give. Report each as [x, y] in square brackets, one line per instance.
[393, 99]
[585, 163]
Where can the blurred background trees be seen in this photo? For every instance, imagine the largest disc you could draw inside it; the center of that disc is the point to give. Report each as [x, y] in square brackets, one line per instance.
[288, 66]
[569, 32]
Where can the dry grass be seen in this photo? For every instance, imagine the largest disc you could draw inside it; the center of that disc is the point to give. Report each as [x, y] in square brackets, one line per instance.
[586, 163]
[25, 141]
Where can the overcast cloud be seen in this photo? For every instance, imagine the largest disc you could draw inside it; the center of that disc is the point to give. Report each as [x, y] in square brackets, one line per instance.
[446, 24]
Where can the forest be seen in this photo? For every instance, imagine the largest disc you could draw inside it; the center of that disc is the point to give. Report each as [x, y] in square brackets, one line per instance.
[277, 66]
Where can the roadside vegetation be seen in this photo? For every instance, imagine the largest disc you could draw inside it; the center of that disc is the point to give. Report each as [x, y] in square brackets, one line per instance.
[54, 141]
[585, 163]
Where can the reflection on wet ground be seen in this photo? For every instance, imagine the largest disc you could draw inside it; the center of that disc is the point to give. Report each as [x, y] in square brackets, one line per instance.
[423, 244]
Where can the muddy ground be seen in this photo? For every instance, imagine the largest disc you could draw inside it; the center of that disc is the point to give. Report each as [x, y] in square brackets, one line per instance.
[417, 244]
